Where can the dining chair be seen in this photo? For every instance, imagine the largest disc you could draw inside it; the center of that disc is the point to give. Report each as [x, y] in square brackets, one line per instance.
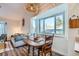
[38, 47]
[47, 47]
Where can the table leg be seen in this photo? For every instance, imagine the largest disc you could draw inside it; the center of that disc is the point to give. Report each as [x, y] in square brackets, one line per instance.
[28, 50]
[38, 52]
[50, 53]
[33, 51]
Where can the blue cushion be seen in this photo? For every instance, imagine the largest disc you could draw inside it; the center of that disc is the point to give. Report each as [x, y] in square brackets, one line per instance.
[18, 38]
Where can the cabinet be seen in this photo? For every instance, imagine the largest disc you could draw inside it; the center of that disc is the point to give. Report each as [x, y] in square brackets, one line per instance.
[74, 23]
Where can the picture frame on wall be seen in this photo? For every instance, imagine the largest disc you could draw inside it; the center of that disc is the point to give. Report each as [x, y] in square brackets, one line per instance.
[23, 22]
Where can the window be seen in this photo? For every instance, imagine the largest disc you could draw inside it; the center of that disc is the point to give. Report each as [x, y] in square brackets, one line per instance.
[2, 28]
[54, 24]
[33, 26]
[49, 25]
[59, 24]
[41, 26]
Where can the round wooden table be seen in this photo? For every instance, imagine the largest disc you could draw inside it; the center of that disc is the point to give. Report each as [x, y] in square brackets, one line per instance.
[40, 42]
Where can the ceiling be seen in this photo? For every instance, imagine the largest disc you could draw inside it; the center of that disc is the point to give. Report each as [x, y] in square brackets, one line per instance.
[13, 11]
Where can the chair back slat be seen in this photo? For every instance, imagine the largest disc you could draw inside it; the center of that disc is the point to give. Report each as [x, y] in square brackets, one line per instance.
[49, 39]
[48, 44]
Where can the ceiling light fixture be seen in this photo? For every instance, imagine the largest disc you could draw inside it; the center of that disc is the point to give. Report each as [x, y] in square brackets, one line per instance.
[33, 8]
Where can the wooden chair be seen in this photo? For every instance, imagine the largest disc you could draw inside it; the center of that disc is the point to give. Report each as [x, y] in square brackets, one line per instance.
[48, 45]
[38, 47]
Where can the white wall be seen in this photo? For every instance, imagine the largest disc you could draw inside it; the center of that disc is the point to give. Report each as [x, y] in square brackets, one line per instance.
[26, 28]
[73, 33]
[12, 26]
[60, 42]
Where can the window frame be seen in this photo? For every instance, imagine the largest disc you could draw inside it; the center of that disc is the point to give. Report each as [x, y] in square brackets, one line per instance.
[63, 14]
[40, 25]
[54, 24]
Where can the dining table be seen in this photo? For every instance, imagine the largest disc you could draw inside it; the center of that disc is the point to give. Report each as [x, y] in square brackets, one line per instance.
[34, 43]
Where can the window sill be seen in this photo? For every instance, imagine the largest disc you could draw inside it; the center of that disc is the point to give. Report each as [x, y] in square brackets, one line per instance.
[60, 36]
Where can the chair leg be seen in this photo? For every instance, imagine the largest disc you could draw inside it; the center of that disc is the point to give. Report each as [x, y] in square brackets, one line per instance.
[38, 52]
[44, 54]
[50, 53]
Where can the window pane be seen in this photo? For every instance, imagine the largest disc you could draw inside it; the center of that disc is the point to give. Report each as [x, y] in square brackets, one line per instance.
[59, 24]
[33, 24]
[2, 28]
[59, 31]
[49, 25]
[41, 26]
